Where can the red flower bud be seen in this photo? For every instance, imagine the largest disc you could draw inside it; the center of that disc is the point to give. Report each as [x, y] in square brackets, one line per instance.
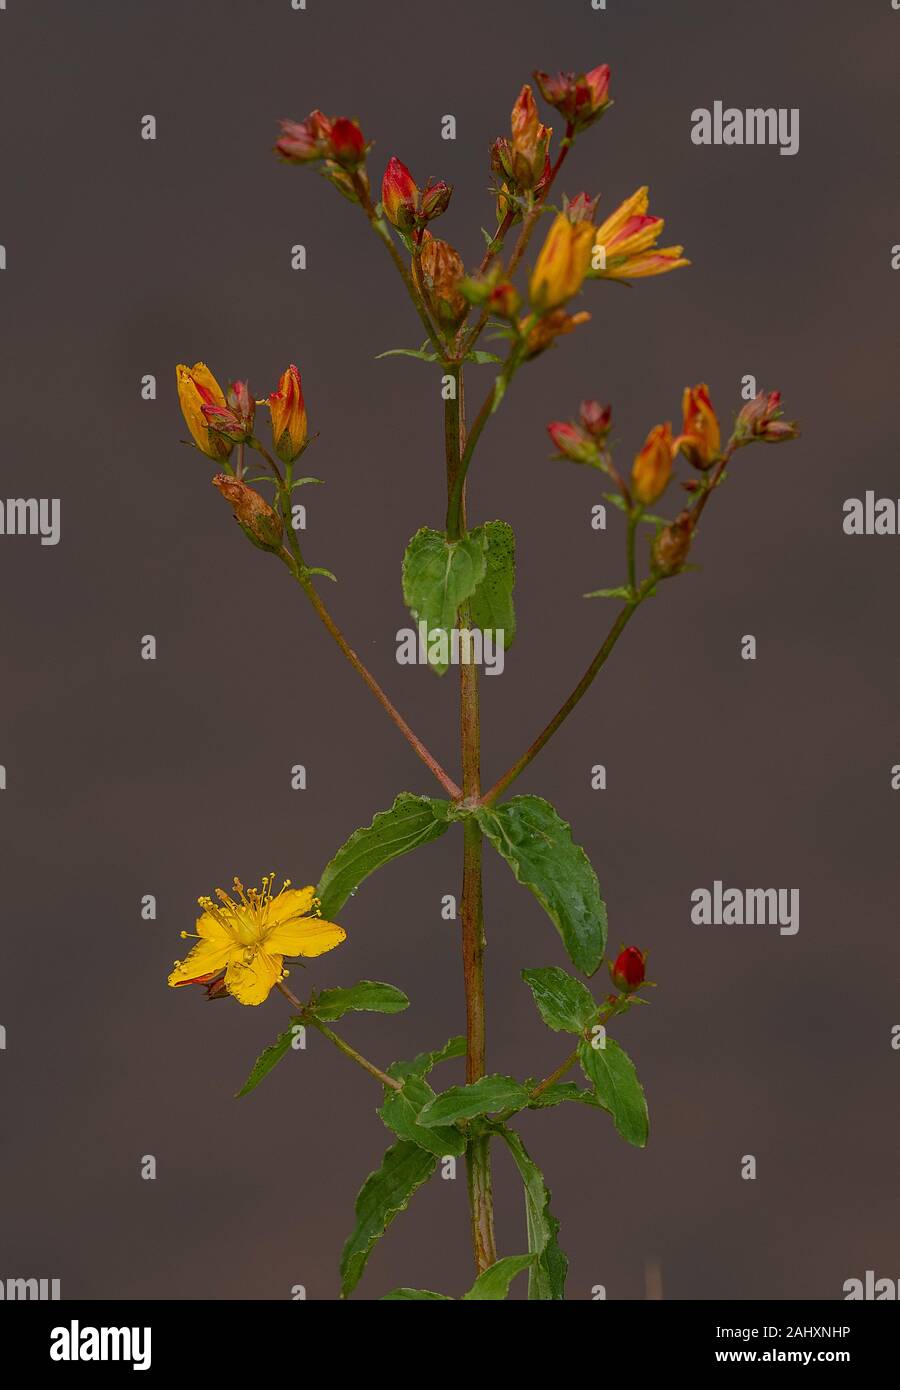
[596, 418]
[580, 98]
[572, 442]
[628, 970]
[435, 200]
[504, 300]
[303, 141]
[348, 145]
[581, 208]
[761, 419]
[234, 420]
[399, 195]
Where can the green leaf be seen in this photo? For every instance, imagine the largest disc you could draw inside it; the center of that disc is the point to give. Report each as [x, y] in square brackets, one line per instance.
[439, 575]
[423, 1064]
[482, 358]
[491, 604]
[383, 1194]
[494, 1283]
[622, 592]
[484, 1097]
[420, 1294]
[563, 1002]
[408, 352]
[400, 1112]
[369, 996]
[611, 1071]
[411, 821]
[537, 844]
[547, 1280]
[267, 1059]
[562, 1091]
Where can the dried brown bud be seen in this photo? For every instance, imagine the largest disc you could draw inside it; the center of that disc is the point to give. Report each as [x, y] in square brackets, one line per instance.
[443, 272]
[671, 546]
[256, 518]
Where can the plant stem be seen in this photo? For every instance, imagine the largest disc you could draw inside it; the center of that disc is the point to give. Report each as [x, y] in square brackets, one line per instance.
[384, 235]
[418, 747]
[581, 688]
[339, 1042]
[478, 1156]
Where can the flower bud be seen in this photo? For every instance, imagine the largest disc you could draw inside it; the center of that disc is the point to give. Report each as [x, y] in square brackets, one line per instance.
[580, 98]
[435, 200]
[442, 270]
[671, 546]
[235, 419]
[596, 419]
[257, 519]
[653, 466]
[628, 969]
[701, 441]
[562, 264]
[399, 195]
[288, 414]
[761, 419]
[548, 328]
[572, 442]
[581, 208]
[348, 144]
[198, 388]
[301, 142]
[504, 300]
[525, 156]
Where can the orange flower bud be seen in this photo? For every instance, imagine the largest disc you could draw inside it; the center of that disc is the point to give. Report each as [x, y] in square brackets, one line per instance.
[399, 195]
[197, 388]
[562, 264]
[701, 441]
[257, 519]
[288, 414]
[551, 326]
[524, 157]
[653, 466]
[671, 546]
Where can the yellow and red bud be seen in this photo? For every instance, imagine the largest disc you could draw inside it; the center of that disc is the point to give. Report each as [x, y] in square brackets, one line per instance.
[581, 98]
[399, 195]
[260, 522]
[671, 545]
[562, 264]
[652, 467]
[504, 300]
[701, 440]
[761, 419]
[288, 414]
[523, 159]
[197, 390]
[573, 442]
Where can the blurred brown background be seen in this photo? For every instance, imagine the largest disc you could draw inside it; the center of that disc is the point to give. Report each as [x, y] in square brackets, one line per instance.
[128, 777]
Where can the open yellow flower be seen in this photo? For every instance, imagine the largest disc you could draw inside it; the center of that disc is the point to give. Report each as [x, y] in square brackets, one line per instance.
[627, 243]
[250, 937]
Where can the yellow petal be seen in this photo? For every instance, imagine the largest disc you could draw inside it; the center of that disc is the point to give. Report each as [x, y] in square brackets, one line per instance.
[206, 958]
[293, 902]
[635, 206]
[310, 936]
[250, 981]
[211, 929]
